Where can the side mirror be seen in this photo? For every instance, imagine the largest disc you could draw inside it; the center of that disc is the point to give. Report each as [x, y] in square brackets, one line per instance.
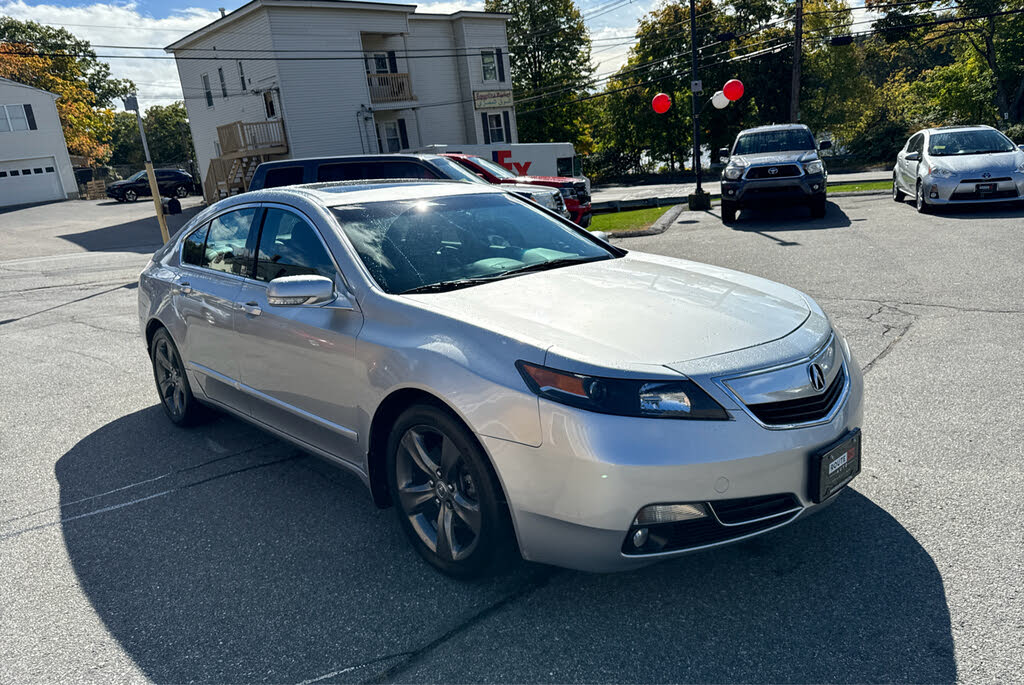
[825, 144]
[913, 156]
[723, 154]
[298, 290]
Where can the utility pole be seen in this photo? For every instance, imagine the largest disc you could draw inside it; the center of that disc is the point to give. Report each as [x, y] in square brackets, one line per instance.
[798, 46]
[699, 200]
[131, 103]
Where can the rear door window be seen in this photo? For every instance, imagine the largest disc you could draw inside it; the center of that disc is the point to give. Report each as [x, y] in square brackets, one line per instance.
[230, 241]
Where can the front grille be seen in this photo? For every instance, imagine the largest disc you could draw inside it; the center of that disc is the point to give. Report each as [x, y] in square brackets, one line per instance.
[682, 535]
[784, 171]
[733, 511]
[581, 193]
[972, 195]
[986, 180]
[802, 410]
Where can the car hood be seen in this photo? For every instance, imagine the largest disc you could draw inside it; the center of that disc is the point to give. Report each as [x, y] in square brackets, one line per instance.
[556, 181]
[780, 157]
[638, 309]
[1001, 162]
[531, 189]
[117, 184]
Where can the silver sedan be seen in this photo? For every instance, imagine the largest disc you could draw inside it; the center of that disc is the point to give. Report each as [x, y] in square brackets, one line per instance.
[958, 165]
[510, 383]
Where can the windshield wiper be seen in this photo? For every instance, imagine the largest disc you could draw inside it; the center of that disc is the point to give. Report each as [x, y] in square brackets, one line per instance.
[552, 264]
[445, 286]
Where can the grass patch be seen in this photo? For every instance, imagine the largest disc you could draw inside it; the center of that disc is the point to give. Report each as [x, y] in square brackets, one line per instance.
[627, 221]
[854, 187]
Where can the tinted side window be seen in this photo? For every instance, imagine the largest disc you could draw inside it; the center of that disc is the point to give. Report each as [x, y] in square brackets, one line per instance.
[228, 244]
[284, 176]
[355, 171]
[340, 171]
[290, 247]
[194, 248]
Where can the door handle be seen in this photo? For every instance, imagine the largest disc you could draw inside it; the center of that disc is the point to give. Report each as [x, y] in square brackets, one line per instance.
[252, 308]
[184, 288]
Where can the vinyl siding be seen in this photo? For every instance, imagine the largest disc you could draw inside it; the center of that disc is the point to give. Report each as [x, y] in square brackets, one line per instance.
[45, 141]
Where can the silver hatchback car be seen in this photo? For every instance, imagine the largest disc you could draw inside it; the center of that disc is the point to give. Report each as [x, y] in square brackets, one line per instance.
[512, 384]
[961, 165]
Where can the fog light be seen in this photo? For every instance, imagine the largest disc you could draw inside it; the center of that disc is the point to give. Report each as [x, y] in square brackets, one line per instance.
[667, 513]
[815, 186]
[730, 192]
[640, 538]
[934, 194]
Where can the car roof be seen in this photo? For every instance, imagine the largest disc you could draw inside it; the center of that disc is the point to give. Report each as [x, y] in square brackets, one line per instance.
[339, 193]
[953, 129]
[348, 158]
[776, 127]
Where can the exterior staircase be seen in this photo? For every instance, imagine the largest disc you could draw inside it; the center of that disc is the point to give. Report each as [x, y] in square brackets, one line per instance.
[244, 146]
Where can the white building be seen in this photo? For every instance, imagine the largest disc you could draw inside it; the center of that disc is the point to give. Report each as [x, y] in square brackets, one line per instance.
[280, 79]
[34, 162]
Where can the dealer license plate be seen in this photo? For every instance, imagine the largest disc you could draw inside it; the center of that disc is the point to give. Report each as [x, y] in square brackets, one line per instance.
[985, 187]
[832, 469]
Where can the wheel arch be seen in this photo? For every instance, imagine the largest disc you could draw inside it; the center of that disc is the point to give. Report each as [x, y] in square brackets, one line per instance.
[152, 326]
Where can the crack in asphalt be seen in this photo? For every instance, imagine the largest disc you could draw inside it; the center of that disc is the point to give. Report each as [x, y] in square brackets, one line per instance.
[129, 285]
[893, 303]
[888, 328]
[536, 582]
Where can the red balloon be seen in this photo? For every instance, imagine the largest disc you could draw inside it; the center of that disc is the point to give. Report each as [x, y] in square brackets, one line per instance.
[733, 89]
[661, 103]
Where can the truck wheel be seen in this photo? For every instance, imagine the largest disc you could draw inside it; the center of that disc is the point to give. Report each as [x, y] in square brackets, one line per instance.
[818, 207]
[728, 212]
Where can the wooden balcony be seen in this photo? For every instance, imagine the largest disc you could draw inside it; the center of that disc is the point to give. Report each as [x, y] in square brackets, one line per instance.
[243, 138]
[389, 88]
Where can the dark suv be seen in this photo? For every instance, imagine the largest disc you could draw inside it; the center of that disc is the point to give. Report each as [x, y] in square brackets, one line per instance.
[287, 172]
[170, 182]
[773, 165]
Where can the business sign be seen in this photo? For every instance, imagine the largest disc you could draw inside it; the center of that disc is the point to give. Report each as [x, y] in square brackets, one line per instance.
[489, 99]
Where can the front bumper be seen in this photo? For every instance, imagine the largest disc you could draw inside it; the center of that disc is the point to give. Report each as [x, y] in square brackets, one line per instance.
[759, 192]
[574, 498]
[962, 190]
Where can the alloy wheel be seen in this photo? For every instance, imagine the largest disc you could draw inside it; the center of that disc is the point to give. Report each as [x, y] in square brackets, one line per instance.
[170, 378]
[437, 493]
[182, 191]
[131, 195]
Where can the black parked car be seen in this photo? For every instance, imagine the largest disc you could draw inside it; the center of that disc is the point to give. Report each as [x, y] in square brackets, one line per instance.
[171, 182]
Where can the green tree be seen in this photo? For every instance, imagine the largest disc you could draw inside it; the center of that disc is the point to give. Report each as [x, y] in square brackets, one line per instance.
[550, 58]
[167, 132]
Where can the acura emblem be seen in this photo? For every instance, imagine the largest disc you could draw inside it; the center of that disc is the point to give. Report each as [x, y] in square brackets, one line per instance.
[986, 175]
[774, 170]
[817, 376]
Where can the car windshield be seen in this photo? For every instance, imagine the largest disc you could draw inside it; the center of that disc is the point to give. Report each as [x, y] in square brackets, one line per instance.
[445, 243]
[968, 143]
[493, 167]
[136, 176]
[457, 172]
[774, 141]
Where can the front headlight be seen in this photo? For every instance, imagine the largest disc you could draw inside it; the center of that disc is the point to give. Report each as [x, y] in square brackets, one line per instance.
[567, 192]
[815, 167]
[1020, 167]
[940, 171]
[665, 399]
[733, 172]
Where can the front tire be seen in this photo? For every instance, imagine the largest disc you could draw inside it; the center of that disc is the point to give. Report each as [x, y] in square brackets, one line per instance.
[446, 495]
[897, 194]
[819, 207]
[728, 212]
[131, 195]
[919, 202]
[181, 191]
[176, 396]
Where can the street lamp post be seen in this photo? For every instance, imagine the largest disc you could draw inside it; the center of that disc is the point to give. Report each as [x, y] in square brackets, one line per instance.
[131, 103]
[699, 200]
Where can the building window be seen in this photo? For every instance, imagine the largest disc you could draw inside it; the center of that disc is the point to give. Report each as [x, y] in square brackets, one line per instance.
[495, 128]
[17, 118]
[223, 83]
[241, 76]
[380, 63]
[490, 65]
[206, 89]
[268, 104]
[391, 139]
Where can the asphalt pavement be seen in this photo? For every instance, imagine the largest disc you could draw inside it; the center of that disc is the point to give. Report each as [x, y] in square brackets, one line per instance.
[131, 550]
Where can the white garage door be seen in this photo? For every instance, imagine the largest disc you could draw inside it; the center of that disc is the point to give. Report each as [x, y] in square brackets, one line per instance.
[23, 181]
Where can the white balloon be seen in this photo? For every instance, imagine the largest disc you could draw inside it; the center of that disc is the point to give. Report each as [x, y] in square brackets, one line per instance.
[719, 100]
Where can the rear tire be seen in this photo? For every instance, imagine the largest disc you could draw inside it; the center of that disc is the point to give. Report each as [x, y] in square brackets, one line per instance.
[728, 212]
[181, 191]
[176, 397]
[441, 480]
[897, 194]
[131, 195]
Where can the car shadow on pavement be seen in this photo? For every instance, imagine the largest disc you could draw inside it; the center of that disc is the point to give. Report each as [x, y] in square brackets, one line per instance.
[1003, 211]
[219, 554]
[789, 219]
[140, 235]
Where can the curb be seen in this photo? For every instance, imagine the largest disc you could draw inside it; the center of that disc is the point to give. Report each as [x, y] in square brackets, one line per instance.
[659, 226]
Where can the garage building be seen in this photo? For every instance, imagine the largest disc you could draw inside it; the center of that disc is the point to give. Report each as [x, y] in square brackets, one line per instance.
[34, 162]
